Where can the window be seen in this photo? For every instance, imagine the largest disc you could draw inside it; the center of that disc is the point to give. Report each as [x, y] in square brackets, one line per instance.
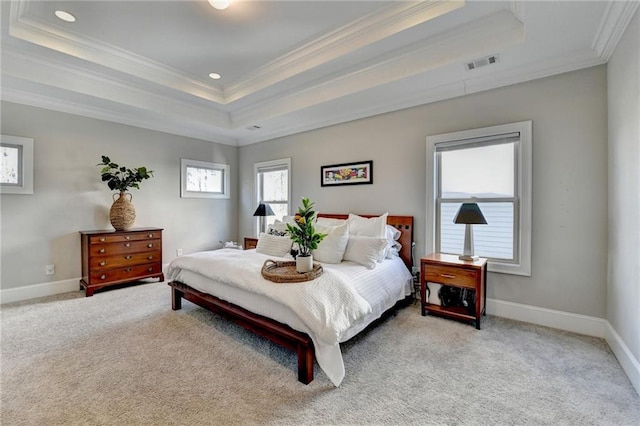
[16, 165]
[273, 187]
[200, 179]
[492, 167]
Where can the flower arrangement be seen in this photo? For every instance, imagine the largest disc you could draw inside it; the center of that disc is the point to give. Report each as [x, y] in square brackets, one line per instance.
[122, 178]
[304, 233]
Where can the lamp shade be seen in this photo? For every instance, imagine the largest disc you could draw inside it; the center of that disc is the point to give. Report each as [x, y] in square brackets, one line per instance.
[263, 210]
[469, 213]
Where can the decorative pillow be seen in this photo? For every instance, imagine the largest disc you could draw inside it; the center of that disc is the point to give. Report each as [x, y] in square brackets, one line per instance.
[273, 231]
[367, 227]
[278, 226]
[331, 248]
[365, 250]
[273, 245]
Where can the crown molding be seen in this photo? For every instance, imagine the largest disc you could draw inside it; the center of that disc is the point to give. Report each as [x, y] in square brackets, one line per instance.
[362, 32]
[483, 35]
[42, 34]
[175, 125]
[55, 74]
[614, 22]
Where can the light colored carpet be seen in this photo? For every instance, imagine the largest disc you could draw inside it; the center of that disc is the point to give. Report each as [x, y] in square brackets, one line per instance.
[124, 357]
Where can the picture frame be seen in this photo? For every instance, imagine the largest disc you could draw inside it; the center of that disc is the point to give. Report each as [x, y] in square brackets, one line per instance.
[353, 173]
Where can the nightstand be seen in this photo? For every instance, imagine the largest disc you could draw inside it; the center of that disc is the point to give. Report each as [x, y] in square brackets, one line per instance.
[250, 243]
[448, 270]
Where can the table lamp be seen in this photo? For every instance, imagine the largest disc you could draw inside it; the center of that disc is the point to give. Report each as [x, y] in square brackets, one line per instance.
[469, 214]
[262, 211]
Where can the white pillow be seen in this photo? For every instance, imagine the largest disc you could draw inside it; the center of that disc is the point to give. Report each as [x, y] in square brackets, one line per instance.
[367, 227]
[273, 245]
[328, 221]
[278, 226]
[393, 246]
[365, 250]
[331, 248]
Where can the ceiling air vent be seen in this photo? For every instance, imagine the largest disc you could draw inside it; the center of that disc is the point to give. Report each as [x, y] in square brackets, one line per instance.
[482, 62]
[253, 127]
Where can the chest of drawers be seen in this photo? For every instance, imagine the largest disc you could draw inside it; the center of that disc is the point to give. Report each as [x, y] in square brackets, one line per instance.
[116, 257]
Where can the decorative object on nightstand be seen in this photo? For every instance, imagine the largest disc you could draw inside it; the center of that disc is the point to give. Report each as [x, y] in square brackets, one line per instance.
[116, 257]
[122, 213]
[469, 214]
[467, 275]
[262, 211]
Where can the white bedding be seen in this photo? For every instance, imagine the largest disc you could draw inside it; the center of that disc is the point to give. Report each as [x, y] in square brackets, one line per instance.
[331, 309]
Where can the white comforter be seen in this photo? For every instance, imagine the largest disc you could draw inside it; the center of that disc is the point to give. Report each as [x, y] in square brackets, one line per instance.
[329, 306]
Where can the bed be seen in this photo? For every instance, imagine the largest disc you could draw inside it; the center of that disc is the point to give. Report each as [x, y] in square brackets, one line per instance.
[286, 314]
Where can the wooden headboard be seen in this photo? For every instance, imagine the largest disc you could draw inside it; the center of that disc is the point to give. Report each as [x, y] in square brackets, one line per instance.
[403, 223]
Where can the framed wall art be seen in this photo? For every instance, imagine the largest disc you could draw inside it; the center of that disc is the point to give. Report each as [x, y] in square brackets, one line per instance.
[354, 173]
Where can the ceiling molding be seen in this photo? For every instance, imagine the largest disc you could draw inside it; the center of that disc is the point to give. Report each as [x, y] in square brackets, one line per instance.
[614, 22]
[362, 32]
[56, 74]
[158, 122]
[484, 35]
[43, 34]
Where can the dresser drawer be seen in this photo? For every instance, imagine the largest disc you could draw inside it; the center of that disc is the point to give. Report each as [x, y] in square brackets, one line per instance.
[123, 238]
[109, 249]
[452, 276]
[127, 273]
[119, 260]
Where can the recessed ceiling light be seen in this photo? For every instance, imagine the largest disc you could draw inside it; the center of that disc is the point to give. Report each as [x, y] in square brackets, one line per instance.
[220, 4]
[215, 76]
[65, 16]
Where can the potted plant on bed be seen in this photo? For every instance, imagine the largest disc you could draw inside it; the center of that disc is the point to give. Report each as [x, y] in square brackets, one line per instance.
[305, 235]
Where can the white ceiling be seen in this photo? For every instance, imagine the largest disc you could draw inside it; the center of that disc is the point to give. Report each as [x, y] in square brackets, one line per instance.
[286, 66]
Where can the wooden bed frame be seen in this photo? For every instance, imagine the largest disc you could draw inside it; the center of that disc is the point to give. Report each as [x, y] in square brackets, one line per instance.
[273, 330]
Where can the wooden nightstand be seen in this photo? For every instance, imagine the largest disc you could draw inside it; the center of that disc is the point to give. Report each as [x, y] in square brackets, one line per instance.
[250, 243]
[448, 270]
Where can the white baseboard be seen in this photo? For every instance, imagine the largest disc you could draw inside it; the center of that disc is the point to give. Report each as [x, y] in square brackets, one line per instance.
[577, 323]
[629, 363]
[582, 324]
[18, 294]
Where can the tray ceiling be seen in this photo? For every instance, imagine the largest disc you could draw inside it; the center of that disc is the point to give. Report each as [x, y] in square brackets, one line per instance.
[286, 66]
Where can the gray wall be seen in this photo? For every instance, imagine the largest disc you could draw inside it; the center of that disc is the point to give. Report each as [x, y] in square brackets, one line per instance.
[569, 113]
[42, 228]
[623, 296]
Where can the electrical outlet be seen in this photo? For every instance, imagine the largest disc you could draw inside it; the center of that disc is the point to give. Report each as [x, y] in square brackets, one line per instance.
[50, 269]
[415, 269]
[179, 252]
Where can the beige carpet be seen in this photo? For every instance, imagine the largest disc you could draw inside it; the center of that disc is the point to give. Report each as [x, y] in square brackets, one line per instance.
[123, 357]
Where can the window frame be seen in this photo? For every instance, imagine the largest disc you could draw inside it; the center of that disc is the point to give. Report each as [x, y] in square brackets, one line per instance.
[522, 204]
[280, 164]
[25, 185]
[224, 168]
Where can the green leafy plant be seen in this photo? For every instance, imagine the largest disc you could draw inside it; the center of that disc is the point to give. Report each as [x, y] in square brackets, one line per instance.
[121, 178]
[304, 233]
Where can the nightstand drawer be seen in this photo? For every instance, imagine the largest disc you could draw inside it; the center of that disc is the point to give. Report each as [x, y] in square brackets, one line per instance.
[452, 276]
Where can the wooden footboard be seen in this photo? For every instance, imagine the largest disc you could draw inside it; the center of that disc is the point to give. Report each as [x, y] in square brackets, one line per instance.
[275, 331]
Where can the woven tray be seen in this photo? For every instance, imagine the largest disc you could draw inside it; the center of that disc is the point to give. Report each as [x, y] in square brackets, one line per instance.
[285, 272]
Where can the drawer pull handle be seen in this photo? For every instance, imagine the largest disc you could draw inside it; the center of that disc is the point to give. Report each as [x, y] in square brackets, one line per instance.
[127, 269]
[127, 237]
[150, 235]
[150, 245]
[101, 250]
[127, 245]
[447, 276]
[103, 263]
[102, 240]
[127, 257]
[102, 277]
[150, 269]
[150, 257]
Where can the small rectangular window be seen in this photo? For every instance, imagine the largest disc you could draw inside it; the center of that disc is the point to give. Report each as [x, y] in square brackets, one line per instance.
[16, 165]
[201, 179]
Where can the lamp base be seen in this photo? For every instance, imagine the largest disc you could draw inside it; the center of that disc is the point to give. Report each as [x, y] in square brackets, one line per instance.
[471, 258]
